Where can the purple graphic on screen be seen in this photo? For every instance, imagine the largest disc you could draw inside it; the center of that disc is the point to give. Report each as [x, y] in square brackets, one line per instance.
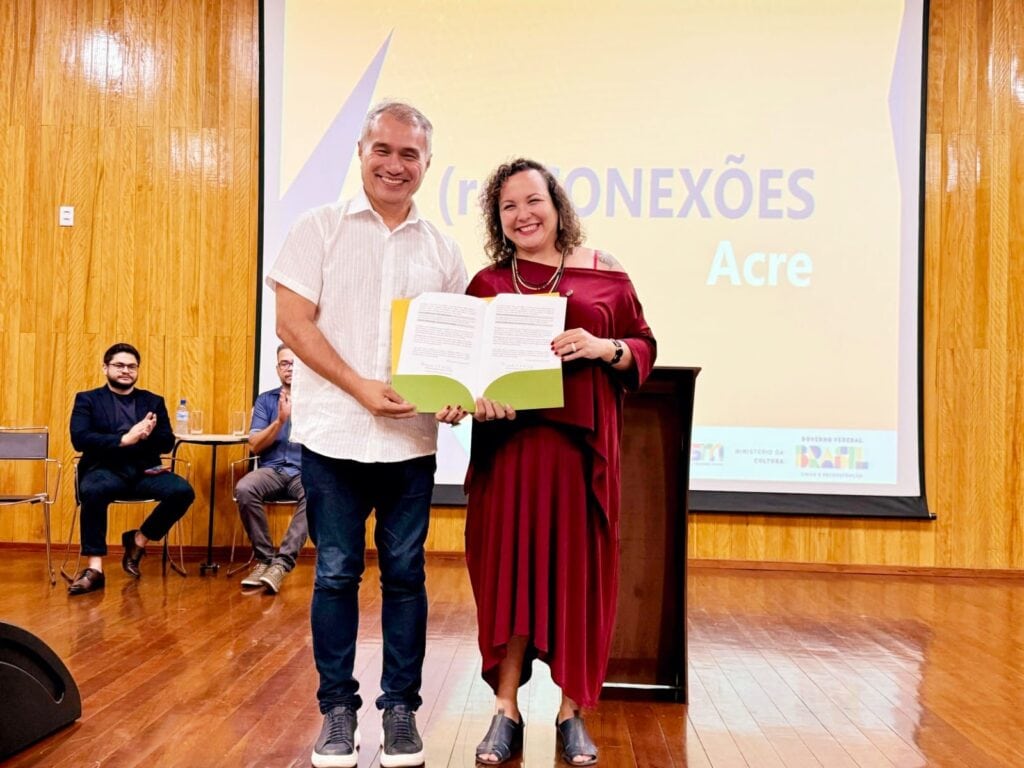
[322, 177]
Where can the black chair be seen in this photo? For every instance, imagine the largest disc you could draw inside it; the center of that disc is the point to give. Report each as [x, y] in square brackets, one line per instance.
[30, 476]
[179, 466]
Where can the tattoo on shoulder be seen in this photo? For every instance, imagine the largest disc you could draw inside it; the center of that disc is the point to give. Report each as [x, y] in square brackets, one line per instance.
[608, 261]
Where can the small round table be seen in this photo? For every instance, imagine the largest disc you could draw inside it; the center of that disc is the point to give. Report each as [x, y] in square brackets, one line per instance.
[214, 441]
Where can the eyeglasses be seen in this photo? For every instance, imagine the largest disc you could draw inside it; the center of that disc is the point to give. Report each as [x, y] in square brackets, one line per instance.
[124, 366]
[286, 364]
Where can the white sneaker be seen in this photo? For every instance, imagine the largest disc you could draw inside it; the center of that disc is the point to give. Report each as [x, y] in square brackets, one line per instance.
[272, 578]
[253, 579]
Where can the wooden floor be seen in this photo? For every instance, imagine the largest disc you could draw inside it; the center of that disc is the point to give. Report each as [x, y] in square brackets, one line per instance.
[787, 669]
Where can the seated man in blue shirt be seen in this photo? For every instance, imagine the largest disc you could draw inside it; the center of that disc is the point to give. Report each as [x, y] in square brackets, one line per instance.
[277, 477]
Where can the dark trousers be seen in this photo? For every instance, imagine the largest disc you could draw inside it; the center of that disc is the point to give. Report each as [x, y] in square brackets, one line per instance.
[339, 497]
[98, 487]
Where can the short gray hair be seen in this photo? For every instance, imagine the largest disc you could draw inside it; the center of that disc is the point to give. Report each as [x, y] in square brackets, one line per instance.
[403, 113]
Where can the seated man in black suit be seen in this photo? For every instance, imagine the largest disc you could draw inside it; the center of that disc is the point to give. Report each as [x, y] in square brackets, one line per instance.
[121, 432]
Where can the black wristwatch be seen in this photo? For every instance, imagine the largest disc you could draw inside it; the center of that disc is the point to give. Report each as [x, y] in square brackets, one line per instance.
[618, 353]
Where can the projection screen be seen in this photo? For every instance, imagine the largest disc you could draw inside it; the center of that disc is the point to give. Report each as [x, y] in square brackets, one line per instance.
[756, 167]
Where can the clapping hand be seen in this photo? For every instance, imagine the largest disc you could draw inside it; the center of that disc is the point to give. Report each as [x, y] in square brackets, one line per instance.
[140, 431]
[284, 406]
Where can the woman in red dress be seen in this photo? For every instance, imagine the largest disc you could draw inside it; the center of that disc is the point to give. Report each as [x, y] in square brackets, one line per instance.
[542, 524]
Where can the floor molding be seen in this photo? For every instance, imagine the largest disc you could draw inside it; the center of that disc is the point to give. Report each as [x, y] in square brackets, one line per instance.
[222, 553]
[866, 569]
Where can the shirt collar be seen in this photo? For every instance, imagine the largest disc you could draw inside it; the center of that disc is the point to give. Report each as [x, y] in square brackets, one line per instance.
[360, 203]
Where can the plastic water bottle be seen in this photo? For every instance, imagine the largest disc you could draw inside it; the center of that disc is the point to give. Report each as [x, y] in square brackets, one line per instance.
[181, 418]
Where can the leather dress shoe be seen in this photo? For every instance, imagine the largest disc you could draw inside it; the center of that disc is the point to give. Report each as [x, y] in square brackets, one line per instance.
[88, 580]
[133, 553]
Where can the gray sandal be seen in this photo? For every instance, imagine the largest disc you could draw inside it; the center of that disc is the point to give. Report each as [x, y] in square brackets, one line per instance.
[576, 742]
[504, 739]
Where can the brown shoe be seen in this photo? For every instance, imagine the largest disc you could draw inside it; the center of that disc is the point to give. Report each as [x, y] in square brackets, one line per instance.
[88, 580]
[133, 553]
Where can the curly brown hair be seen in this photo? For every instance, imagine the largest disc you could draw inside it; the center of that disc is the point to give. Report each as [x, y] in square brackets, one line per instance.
[497, 247]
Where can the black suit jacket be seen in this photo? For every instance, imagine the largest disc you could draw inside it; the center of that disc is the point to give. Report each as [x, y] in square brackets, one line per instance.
[94, 432]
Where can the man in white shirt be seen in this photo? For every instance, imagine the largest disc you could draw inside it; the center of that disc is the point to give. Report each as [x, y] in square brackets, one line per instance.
[364, 447]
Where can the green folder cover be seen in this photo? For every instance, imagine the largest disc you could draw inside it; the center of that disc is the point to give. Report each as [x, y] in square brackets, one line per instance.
[523, 389]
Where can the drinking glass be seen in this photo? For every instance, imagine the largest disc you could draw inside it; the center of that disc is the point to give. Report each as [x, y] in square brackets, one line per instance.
[195, 422]
[237, 423]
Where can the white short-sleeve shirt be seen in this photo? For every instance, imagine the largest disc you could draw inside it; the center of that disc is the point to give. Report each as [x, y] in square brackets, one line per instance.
[344, 259]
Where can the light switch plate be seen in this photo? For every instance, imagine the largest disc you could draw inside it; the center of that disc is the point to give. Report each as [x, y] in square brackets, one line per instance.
[67, 215]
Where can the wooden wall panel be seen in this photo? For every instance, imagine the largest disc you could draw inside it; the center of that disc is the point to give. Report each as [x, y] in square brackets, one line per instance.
[973, 325]
[144, 115]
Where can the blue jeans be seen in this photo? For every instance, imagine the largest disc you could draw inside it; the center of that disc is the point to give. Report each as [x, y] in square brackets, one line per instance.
[339, 496]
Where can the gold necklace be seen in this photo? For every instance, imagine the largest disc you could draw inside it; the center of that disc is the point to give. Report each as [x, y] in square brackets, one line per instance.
[548, 286]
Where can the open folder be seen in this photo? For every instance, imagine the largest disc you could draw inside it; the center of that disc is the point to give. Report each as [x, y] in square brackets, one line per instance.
[449, 349]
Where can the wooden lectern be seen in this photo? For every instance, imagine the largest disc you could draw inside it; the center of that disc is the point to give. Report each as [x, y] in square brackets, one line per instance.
[648, 655]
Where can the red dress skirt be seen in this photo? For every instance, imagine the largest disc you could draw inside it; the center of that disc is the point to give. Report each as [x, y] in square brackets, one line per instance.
[542, 559]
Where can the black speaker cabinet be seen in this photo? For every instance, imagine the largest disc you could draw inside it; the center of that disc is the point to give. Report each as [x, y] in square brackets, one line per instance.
[38, 695]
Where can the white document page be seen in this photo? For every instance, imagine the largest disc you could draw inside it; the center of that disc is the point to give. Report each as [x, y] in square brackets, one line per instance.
[440, 334]
[517, 335]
